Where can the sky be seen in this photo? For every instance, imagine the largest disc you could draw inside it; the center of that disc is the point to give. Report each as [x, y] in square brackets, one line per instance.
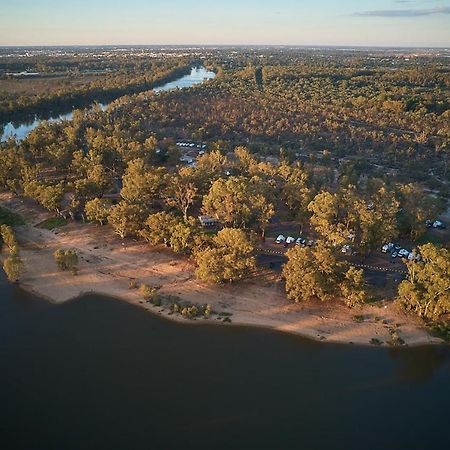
[414, 23]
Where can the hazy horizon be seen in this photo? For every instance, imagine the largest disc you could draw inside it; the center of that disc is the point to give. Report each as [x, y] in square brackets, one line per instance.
[364, 23]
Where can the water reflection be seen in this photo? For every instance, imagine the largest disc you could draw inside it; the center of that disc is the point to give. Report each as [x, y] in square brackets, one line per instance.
[418, 365]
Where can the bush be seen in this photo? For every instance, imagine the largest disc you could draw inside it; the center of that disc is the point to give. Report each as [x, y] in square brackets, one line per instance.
[67, 260]
[207, 310]
[150, 294]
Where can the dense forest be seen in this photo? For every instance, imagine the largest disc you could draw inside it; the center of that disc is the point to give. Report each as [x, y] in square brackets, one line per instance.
[335, 143]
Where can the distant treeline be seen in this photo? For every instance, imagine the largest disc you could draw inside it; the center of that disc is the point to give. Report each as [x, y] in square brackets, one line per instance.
[105, 89]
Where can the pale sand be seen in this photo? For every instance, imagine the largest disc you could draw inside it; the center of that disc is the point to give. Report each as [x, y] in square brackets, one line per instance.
[106, 267]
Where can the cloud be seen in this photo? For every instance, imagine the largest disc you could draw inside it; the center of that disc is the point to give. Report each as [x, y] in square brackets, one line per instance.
[405, 12]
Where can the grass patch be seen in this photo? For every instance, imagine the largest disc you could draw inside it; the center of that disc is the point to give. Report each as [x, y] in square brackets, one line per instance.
[52, 223]
[9, 218]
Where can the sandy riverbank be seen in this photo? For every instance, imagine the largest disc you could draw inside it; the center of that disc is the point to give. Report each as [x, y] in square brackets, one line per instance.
[107, 265]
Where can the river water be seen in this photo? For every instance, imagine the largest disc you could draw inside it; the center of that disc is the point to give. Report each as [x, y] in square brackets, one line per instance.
[98, 373]
[20, 130]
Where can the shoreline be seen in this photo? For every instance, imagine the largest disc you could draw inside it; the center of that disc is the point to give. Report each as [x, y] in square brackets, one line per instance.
[107, 265]
[213, 321]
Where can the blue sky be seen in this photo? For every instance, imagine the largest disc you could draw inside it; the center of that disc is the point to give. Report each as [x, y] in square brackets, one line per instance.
[290, 22]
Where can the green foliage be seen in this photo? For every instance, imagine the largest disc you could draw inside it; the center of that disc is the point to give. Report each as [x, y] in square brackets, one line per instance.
[52, 223]
[239, 201]
[441, 330]
[353, 287]
[150, 294]
[13, 267]
[8, 237]
[181, 238]
[182, 191]
[229, 259]
[49, 196]
[97, 210]
[67, 260]
[426, 292]
[126, 219]
[142, 184]
[325, 210]
[158, 228]
[13, 264]
[417, 208]
[312, 272]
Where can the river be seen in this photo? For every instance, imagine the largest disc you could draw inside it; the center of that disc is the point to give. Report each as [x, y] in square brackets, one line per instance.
[21, 130]
[98, 373]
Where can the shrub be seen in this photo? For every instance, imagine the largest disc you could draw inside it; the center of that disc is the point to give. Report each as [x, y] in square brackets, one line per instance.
[150, 294]
[67, 260]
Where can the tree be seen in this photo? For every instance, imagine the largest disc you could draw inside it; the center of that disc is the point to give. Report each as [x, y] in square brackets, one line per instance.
[426, 291]
[97, 210]
[354, 288]
[239, 201]
[13, 267]
[377, 220]
[158, 228]
[141, 184]
[417, 208]
[182, 191]
[229, 259]
[228, 201]
[8, 237]
[50, 197]
[264, 212]
[209, 168]
[126, 219]
[182, 238]
[246, 163]
[312, 272]
[67, 260]
[295, 191]
[325, 213]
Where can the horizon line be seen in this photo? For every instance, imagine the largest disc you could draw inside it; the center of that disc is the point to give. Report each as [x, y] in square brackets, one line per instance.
[369, 46]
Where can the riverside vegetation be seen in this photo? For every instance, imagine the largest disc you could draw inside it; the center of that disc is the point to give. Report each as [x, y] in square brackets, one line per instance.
[337, 148]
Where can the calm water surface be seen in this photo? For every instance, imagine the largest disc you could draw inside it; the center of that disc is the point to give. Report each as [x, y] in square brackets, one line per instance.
[98, 373]
[21, 130]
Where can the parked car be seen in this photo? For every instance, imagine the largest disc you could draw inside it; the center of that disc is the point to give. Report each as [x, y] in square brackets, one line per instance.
[346, 249]
[280, 239]
[290, 240]
[403, 252]
[300, 241]
[439, 224]
[394, 255]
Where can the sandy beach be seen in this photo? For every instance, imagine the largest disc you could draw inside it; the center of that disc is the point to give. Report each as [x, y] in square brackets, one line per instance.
[107, 265]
